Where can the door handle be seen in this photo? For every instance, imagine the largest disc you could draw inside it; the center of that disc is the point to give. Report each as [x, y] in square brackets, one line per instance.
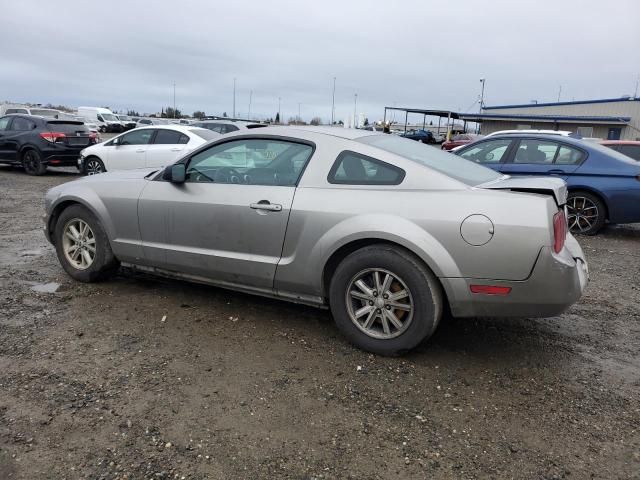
[556, 171]
[176, 149]
[140, 151]
[266, 205]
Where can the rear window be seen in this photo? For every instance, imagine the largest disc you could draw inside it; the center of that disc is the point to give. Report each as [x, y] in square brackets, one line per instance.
[67, 126]
[449, 164]
[204, 133]
[45, 113]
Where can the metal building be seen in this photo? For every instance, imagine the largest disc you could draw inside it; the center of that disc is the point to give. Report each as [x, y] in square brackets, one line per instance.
[613, 118]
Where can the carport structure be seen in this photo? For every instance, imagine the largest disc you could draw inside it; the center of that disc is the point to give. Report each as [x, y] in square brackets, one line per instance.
[448, 114]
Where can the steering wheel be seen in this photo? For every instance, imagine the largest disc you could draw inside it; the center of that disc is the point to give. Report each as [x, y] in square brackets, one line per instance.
[227, 175]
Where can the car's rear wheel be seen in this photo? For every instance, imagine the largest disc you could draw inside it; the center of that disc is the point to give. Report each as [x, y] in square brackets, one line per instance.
[93, 166]
[82, 245]
[32, 162]
[384, 300]
[586, 213]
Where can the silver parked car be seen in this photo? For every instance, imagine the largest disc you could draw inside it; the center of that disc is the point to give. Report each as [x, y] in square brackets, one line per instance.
[388, 233]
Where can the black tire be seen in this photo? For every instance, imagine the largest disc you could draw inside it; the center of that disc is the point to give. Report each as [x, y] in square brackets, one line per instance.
[104, 264]
[425, 296]
[580, 208]
[32, 162]
[102, 129]
[93, 166]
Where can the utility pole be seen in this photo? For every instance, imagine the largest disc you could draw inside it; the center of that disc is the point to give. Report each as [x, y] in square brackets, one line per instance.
[299, 117]
[355, 109]
[279, 116]
[234, 97]
[559, 92]
[635, 93]
[333, 101]
[482, 81]
[174, 99]
[250, 95]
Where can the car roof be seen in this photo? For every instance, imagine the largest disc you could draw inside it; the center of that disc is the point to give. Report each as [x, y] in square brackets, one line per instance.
[172, 126]
[538, 136]
[620, 142]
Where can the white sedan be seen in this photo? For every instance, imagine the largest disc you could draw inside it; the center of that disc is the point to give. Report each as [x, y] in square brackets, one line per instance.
[145, 147]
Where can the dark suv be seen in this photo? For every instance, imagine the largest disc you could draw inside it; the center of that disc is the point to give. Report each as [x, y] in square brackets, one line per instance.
[37, 142]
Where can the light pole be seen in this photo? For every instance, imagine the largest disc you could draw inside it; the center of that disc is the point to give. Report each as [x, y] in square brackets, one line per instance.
[355, 109]
[299, 117]
[250, 95]
[482, 80]
[333, 102]
[279, 116]
[174, 99]
[234, 97]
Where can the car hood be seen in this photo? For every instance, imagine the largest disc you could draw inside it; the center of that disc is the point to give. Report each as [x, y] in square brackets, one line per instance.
[545, 185]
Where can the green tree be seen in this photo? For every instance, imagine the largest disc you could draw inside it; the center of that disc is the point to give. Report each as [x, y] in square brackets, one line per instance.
[278, 117]
[199, 115]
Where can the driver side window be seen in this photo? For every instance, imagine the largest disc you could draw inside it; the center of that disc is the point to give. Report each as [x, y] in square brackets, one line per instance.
[250, 162]
[487, 152]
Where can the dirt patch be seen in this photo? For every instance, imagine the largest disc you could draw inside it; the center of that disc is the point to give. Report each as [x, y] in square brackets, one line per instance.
[141, 377]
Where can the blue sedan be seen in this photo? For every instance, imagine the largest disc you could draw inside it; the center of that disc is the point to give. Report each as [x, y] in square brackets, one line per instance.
[604, 185]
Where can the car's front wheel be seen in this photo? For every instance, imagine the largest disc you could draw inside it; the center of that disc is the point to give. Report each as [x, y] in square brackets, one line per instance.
[93, 166]
[384, 300]
[586, 213]
[82, 245]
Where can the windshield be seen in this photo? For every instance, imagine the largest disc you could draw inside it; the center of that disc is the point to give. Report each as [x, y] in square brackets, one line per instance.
[109, 117]
[451, 165]
[124, 117]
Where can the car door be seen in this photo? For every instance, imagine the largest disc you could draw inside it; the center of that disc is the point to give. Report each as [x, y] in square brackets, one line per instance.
[168, 145]
[5, 123]
[542, 157]
[490, 153]
[17, 135]
[129, 151]
[227, 221]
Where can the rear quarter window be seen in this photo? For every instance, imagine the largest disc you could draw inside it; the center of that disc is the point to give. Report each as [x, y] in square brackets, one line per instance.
[351, 168]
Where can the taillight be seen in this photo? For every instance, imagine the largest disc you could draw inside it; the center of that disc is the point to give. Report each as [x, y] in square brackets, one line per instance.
[93, 138]
[559, 231]
[52, 136]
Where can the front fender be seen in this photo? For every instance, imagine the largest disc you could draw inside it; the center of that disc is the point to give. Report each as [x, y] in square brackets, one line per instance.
[87, 198]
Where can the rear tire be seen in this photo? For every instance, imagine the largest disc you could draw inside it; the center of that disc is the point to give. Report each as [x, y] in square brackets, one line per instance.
[32, 162]
[406, 296]
[587, 213]
[82, 245]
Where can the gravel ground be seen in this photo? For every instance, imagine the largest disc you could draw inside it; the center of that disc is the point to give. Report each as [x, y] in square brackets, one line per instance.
[145, 378]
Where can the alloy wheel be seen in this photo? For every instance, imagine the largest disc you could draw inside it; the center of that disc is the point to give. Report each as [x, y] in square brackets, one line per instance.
[379, 303]
[94, 167]
[79, 244]
[582, 214]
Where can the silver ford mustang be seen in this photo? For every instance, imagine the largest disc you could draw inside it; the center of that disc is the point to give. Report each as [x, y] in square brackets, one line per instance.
[388, 233]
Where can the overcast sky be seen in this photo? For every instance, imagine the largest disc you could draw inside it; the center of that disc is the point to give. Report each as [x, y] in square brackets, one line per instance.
[127, 54]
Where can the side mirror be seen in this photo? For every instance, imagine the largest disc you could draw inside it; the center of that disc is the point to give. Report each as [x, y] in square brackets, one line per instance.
[115, 142]
[176, 173]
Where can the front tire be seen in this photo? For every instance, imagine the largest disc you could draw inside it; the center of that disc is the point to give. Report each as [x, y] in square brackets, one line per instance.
[93, 166]
[586, 213]
[82, 246]
[32, 163]
[384, 300]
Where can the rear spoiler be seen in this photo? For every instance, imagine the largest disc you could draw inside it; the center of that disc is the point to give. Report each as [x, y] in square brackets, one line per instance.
[543, 185]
